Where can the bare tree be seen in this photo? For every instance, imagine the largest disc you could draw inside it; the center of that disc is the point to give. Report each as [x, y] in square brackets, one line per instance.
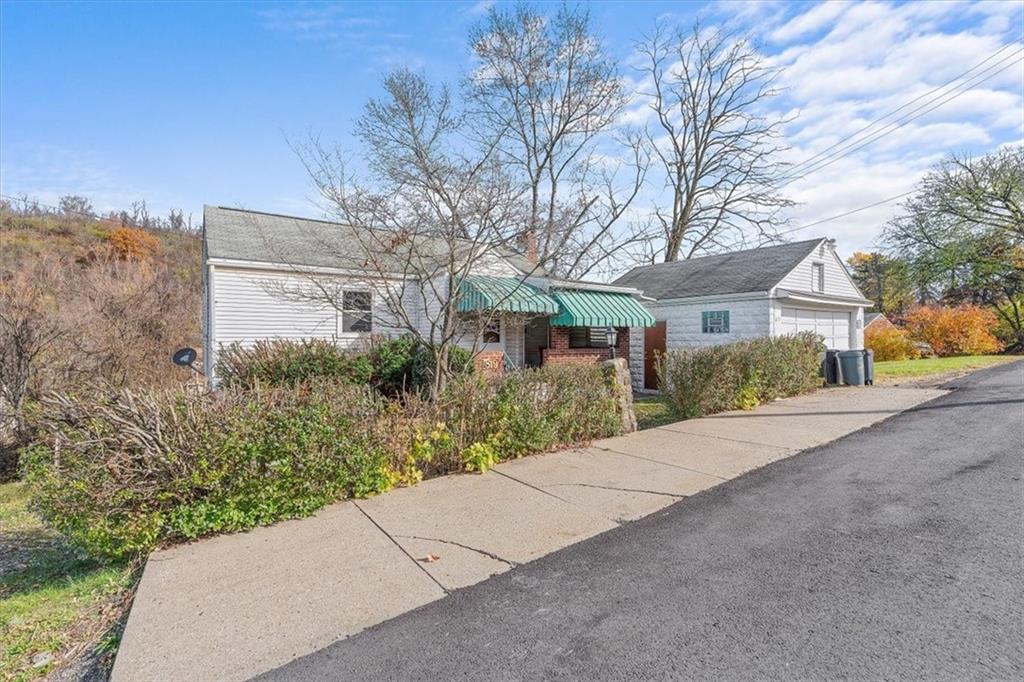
[543, 86]
[439, 206]
[28, 331]
[76, 205]
[716, 147]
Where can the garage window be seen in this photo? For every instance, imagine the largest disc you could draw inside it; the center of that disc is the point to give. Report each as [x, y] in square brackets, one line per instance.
[714, 322]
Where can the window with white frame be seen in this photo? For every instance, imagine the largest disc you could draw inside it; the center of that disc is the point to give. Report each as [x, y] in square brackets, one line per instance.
[818, 277]
[714, 322]
[356, 312]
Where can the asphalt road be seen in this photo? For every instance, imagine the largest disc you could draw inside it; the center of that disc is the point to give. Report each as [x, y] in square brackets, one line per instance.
[893, 553]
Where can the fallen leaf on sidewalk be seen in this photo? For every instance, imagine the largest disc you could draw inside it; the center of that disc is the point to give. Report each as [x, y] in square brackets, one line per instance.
[430, 558]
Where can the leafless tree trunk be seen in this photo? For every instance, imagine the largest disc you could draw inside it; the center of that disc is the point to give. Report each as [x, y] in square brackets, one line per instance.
[543, 86]
[717, 149]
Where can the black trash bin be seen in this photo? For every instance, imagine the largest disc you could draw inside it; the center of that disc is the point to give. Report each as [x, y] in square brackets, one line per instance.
[830, 367]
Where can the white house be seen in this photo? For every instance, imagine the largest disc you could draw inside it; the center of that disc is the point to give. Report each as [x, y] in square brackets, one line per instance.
[257, 265]
[773, 290]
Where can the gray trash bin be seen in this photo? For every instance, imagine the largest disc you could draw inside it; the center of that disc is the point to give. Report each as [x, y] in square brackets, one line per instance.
[851, 364]
[869, 366]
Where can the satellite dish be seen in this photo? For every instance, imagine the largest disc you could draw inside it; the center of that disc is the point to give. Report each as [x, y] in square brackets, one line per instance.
[184, 357]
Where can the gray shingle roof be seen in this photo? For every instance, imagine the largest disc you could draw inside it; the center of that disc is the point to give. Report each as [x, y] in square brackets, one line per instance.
[726, 273]
[238, 234]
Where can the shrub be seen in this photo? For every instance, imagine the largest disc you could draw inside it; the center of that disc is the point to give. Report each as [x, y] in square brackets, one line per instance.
[132, 243]
[403, 364]
[699, 381]
[276, 363]
[890, 343]
[961, 330]
[119, 473]
[393, 366]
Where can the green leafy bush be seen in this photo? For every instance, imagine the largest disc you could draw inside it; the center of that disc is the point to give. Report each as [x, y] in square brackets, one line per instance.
[393, 366]
[275, 363]
[741, 375]
[119, 473]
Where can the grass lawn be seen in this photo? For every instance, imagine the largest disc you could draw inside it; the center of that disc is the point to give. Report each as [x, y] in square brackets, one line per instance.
[55, 604]
[926, 366]
[652, 412]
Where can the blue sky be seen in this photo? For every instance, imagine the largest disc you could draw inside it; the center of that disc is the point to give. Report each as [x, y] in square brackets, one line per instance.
[190, 103]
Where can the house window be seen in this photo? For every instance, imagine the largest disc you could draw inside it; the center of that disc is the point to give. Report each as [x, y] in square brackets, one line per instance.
[588, 337]
[356, 312]
[714, 322]
[492, 332]
[818, 277]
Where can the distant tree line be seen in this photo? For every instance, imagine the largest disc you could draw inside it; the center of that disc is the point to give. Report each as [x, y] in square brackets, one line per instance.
[77, 206]
[958, 240]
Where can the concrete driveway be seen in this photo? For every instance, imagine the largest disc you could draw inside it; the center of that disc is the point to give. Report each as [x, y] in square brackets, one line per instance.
[235, 606]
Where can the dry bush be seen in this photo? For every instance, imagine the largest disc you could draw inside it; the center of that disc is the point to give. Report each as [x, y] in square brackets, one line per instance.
[962, 330]
[890, 343]
[119, 472]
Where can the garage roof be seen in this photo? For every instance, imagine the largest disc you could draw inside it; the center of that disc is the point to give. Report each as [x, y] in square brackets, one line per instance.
[726, 273]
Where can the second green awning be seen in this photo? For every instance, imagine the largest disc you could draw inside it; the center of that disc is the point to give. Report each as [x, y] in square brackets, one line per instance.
[510, 294]
[599, 309]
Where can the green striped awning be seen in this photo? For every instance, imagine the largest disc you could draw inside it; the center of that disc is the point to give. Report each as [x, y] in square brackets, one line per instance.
[599, 309]
[511, 294]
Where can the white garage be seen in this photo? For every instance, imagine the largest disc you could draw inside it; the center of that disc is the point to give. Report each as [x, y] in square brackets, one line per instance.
[833, 325]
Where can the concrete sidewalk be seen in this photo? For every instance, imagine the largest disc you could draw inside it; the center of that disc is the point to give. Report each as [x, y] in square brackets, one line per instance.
[234, 606]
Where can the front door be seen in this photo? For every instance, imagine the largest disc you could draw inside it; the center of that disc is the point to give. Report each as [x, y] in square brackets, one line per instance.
[535, 340]
[654, 343]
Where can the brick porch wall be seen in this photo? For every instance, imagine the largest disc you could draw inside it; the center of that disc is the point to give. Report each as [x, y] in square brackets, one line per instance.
[490, 362]
[559, 351]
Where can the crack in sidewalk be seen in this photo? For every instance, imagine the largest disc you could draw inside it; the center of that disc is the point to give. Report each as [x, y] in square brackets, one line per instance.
[658, 461]
[677, 496]
[484, 552]
[419, 565]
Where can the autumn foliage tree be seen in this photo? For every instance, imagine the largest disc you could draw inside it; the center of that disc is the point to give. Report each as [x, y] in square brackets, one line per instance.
[962, 330]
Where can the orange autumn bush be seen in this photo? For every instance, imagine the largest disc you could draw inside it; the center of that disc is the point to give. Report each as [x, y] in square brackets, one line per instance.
[890, 343]
[962, 330]
[132, 243]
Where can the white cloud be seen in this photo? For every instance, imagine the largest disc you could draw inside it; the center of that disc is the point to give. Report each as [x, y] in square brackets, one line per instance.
[809, 21]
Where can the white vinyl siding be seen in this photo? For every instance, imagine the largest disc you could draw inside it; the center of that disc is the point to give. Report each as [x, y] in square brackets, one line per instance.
[836, 282]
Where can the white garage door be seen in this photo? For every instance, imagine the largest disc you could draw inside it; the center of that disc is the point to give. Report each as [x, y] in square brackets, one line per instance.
[834, 326]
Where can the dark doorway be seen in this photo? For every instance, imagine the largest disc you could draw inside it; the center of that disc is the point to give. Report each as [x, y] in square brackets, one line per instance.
[654, 343]
[535, 340]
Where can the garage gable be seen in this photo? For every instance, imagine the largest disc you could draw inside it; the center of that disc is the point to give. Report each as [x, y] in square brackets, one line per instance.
[821, 272]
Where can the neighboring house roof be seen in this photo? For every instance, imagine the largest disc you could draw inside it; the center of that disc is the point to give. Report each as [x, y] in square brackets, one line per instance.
[876, 318]
[726, 273]
[242, 235]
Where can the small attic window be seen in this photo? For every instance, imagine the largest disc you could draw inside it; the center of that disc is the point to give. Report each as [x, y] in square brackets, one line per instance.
[818, 277]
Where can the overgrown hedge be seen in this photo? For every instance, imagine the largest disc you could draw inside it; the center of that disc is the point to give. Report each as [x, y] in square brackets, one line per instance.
[392, 366]
[123, 472]
[741, 375]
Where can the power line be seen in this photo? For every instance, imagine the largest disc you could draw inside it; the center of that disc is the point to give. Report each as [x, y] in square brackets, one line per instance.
[905, 105]
[848, 213]
[899, 123]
